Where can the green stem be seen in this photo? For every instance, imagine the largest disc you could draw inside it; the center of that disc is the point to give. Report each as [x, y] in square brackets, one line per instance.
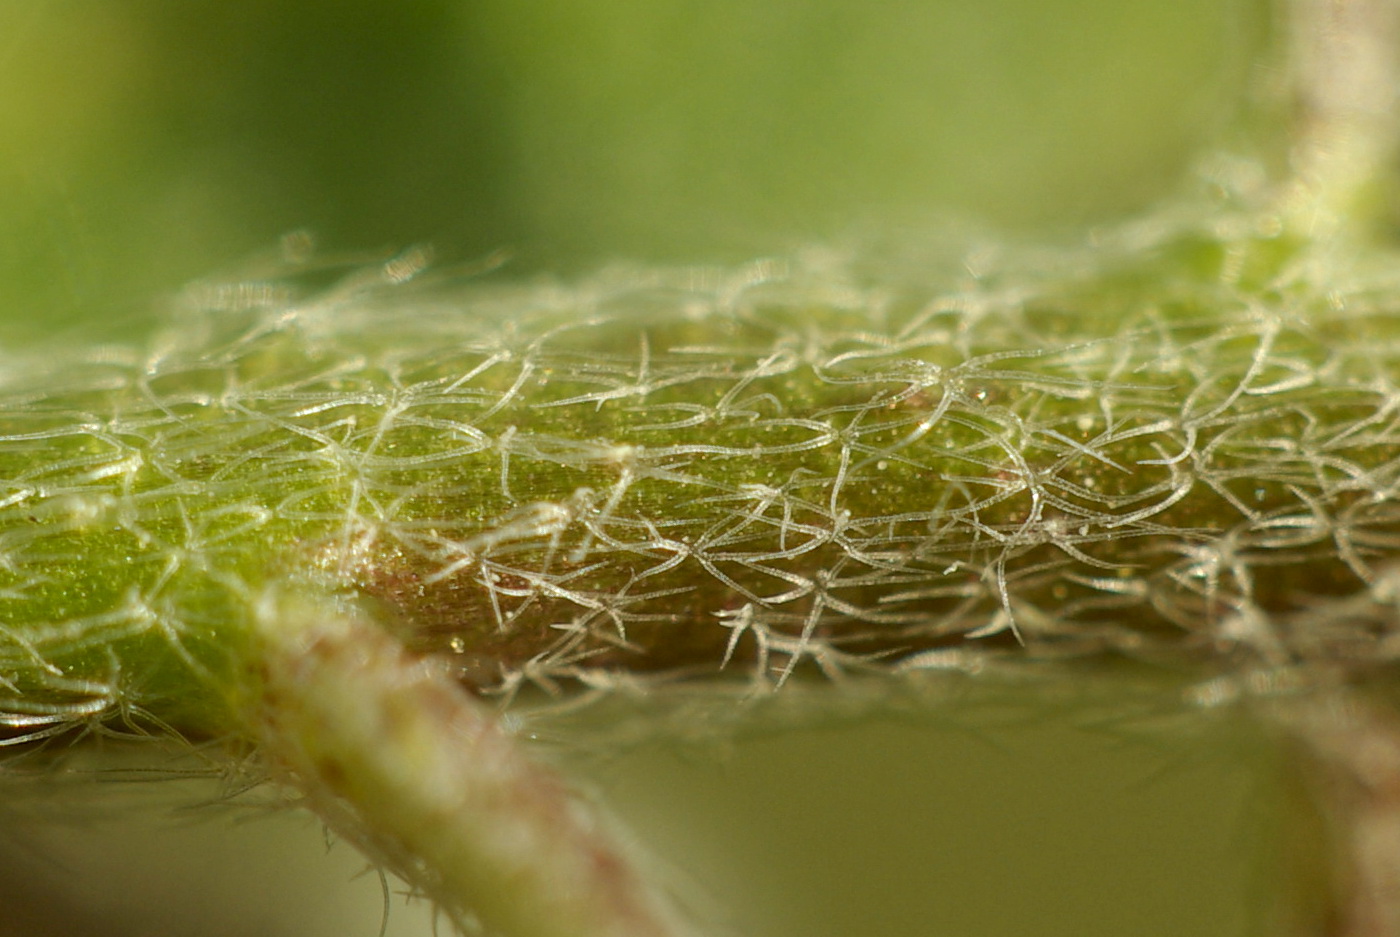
[1341, 106]
[391, 748]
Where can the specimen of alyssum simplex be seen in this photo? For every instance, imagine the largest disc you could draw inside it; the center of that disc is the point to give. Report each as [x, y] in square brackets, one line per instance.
[326, 524]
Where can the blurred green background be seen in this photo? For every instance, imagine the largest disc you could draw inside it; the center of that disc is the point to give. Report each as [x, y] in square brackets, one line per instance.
[144, 143]
[1101, 806]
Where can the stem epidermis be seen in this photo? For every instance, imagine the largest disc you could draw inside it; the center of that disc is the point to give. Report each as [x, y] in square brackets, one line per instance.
[1186, 454]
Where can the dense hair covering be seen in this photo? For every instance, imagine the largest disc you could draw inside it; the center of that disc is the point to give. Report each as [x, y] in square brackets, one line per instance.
[1180, 444]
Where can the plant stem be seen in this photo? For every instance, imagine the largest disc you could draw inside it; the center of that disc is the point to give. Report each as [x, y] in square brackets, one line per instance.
[1344, 77]
[390, 748]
